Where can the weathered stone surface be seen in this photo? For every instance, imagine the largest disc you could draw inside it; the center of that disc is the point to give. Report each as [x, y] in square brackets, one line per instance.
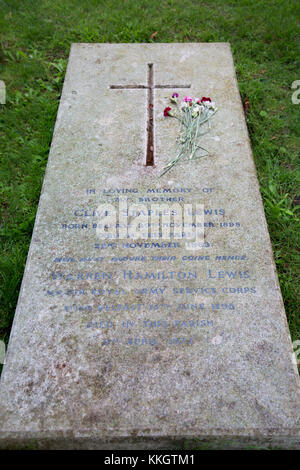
[62, 385]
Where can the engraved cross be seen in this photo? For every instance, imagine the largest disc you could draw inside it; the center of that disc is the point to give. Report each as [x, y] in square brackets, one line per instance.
[149, 87]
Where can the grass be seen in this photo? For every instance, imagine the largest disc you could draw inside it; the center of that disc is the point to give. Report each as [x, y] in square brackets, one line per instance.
[34, 46]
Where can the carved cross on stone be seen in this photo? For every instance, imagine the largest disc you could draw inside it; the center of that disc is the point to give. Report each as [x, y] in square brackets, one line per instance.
[150, 87]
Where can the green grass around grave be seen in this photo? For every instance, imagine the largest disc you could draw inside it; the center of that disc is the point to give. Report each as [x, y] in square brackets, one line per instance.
[34, 46]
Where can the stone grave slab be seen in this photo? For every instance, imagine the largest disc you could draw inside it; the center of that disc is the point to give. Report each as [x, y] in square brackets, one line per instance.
[126, 343]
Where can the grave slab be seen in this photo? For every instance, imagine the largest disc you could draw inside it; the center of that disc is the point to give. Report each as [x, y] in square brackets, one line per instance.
[123, 343]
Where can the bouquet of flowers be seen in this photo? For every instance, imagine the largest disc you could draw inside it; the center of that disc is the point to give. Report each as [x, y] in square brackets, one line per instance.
[192, 114]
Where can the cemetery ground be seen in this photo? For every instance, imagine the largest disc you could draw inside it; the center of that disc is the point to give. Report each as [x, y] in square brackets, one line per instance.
[34, 47]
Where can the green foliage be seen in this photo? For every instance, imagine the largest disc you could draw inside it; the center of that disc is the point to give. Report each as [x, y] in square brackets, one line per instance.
[34, 46]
